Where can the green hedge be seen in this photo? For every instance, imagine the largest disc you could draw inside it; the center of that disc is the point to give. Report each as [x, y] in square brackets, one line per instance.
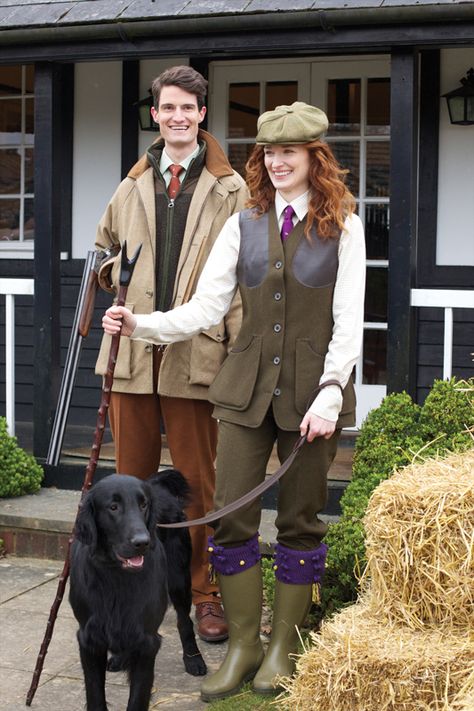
[19, 472]
[391, 437]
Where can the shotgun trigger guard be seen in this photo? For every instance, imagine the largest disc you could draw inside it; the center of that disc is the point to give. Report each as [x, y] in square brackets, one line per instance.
[127, 265]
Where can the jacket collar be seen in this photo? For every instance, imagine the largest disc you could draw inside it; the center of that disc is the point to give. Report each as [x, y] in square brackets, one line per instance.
[216, 160]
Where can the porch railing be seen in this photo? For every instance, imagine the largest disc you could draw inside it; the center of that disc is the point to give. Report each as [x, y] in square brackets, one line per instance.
[447, 299]
[11, 288]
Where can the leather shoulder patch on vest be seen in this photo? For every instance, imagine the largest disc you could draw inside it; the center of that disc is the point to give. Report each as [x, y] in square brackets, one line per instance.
[315, 264]
[252, 266]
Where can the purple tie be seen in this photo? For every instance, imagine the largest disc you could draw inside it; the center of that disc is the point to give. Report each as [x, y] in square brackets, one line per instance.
[287, 225]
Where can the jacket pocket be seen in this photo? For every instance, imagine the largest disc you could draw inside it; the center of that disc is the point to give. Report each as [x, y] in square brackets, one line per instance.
[123, 367]
[309, 366]
[234, 384]
[208, 352]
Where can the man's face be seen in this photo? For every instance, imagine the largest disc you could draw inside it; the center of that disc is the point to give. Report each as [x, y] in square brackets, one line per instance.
[178, 117]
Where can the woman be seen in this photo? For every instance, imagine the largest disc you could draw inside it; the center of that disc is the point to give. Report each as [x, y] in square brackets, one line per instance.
[297, 255]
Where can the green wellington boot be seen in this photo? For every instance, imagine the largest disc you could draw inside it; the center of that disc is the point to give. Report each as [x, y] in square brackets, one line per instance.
[242, 599]
[291, 605]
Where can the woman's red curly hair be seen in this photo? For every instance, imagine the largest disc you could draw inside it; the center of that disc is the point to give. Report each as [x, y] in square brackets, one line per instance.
[330, 201]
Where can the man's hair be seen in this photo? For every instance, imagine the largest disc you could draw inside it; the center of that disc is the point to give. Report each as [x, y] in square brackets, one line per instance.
[186, 78]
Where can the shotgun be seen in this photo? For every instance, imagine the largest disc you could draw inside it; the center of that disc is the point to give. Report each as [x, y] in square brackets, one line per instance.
[80, 329]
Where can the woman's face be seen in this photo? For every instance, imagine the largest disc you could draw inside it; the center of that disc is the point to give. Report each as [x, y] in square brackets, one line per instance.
[288, 168]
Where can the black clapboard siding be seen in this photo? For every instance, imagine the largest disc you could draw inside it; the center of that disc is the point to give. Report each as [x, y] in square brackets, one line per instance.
[431, 347]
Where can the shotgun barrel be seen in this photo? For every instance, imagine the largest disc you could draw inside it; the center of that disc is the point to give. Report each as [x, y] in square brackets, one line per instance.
[70, 367]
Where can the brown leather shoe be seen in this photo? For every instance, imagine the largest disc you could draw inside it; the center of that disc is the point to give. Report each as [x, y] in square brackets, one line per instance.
[211, 626]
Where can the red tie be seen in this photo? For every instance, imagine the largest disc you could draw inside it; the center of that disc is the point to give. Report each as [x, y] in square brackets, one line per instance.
[174, 184]
[287, 225]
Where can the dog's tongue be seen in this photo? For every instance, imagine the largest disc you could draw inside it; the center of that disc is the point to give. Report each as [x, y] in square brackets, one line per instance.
[135, 562]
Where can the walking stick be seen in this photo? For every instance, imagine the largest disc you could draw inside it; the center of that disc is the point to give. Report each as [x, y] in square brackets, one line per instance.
[126, 271]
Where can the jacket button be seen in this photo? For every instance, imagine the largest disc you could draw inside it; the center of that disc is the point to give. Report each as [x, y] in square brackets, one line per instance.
[277, 392]
[149, 293]
[277, 296]
[148, 347]
[277, 327]
[276, 360]
[278, 264]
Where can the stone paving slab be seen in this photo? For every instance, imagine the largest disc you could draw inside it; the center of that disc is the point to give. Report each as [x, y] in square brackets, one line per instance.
[27, 590]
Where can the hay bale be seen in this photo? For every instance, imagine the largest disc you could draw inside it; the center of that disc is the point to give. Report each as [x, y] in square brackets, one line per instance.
[358, 664]
[420, 545]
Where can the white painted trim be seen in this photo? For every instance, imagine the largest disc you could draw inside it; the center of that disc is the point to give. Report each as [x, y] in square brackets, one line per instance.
[443, 298]
[447, 299]
[12, 287]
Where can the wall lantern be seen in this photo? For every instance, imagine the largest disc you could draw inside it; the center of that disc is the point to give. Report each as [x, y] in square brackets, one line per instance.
[144, 116]
[461, 101]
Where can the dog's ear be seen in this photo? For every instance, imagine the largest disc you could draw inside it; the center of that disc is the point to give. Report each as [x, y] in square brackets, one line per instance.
[152, 516]
[86, 529]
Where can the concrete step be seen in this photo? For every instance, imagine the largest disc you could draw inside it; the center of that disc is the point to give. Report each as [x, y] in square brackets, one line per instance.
[39, 525]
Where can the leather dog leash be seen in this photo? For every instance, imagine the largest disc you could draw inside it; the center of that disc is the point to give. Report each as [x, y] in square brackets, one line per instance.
[256, 491]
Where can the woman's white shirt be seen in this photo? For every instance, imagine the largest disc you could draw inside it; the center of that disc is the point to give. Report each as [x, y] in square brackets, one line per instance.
[218, 283]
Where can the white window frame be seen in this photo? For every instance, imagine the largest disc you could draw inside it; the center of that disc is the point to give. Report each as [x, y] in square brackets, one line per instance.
[20, 248]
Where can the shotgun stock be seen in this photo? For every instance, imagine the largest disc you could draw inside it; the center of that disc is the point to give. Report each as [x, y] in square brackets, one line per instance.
[89, 301]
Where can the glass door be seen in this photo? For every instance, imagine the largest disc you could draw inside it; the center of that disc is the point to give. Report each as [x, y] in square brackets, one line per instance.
[356, 97]
[355, 93]
[241, 92]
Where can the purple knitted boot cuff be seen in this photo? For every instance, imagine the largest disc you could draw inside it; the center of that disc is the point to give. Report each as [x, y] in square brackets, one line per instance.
[299, 567]
[229, 561]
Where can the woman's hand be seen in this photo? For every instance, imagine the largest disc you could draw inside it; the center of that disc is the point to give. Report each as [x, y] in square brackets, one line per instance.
[119, 317]
[313, 426]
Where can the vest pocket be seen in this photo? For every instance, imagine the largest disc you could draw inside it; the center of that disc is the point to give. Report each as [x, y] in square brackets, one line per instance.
[234, 384]
[309, 366]
[208, 352]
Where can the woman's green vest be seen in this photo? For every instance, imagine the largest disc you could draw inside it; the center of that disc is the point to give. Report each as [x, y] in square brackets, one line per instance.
[278, 357]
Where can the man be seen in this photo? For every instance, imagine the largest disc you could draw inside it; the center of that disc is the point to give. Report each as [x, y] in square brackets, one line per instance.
[174, 201]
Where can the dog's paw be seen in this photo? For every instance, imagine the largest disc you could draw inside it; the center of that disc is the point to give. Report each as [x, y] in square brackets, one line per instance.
[195, 664]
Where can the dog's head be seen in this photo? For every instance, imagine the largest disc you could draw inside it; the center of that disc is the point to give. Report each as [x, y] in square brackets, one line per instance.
[116, 520]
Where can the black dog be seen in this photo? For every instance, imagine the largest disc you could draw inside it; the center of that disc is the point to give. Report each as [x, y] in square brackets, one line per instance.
[122, 570]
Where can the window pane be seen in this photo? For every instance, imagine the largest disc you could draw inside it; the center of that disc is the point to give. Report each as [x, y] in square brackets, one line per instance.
[9, 220]
[29, 122]
[344, 106]
[30, 79]
[378, 107]
[10, 171]
[29, 170]
[238, 156]
[10, 80]
[376, 294]
[29, 221]
[348, 155]
[378, 169]
[280, 92]
[10, 121]
[377, 225]
[244, 108]
[374, 369]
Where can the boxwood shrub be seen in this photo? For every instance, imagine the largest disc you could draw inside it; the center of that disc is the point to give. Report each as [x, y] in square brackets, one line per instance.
[19, 472]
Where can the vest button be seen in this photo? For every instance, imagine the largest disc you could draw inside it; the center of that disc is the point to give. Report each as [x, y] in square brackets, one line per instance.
[277, 327]
[277, 296]
[278, 264]
[148, 347]
[277, 392]
[276, 360]
[149, 293]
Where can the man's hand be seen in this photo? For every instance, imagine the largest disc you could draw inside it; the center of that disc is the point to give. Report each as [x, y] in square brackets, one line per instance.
[119, 317]
[313, 426]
